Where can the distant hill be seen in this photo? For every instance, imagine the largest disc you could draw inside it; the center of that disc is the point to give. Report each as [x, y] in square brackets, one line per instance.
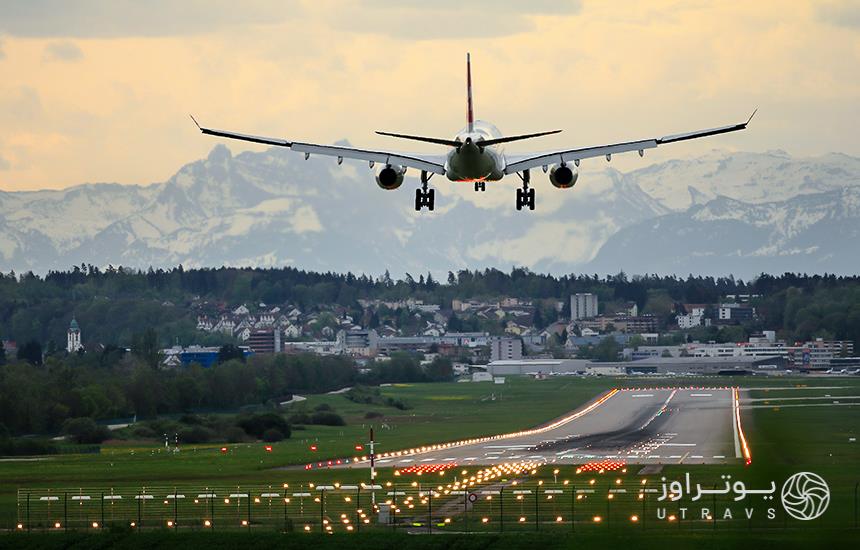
[738, 212]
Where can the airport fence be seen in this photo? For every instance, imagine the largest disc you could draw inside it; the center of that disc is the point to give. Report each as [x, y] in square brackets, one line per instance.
[531, 506]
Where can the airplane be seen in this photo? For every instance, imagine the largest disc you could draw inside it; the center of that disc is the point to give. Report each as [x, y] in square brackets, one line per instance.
[474, 155]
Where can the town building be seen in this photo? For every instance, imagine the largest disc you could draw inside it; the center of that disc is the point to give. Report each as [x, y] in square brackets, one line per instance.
[583, 306]
[735, 313]
[205, 356]
[73, 337]
[503, 348]
[267, 340]
[360, 342]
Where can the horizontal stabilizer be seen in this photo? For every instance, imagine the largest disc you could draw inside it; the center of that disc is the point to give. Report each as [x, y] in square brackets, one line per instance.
[437, 141]
[496, 141]
[480, 142]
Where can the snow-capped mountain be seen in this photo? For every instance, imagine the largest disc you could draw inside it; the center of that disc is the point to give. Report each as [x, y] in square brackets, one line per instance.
[274, 208]
[812, 233]
[749, 177]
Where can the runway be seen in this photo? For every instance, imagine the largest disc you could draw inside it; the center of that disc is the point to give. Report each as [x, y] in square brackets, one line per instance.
[637, 426]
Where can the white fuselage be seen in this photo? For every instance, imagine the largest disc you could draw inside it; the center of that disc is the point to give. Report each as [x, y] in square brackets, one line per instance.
[471, 162]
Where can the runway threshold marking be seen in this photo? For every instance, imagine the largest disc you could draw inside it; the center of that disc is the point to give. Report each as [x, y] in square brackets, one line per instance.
[701, 395]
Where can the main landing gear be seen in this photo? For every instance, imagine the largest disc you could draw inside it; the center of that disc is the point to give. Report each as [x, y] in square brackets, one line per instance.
[425, 196]
[525, 196]
[480, 186]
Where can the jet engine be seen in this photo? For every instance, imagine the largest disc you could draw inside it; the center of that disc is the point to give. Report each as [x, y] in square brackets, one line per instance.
[563, 176]
[390, 177]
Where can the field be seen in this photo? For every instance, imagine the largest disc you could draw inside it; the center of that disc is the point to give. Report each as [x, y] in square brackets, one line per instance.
[440, 412]
[784, 438]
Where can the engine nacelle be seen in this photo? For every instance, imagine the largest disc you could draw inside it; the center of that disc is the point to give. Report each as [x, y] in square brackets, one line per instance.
[390, 177]
[563, 176]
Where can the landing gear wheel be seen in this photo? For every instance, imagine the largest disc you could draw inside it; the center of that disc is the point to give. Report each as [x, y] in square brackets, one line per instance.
[525, 196]
[425, 196]
[480, 186]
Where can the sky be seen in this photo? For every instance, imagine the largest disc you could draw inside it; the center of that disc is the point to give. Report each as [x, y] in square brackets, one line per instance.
[101, 90]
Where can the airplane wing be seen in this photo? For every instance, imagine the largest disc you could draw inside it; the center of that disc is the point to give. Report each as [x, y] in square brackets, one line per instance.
[526, 162]
[429, 163]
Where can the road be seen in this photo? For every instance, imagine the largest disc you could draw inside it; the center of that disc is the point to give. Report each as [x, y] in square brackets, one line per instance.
[647, 426]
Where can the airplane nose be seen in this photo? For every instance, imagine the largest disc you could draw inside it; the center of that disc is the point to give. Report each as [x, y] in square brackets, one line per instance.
[468, 141]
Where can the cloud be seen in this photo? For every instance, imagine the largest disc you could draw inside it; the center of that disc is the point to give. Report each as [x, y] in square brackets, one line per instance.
[447, 19]
[2, 55]
[124, 18]
[20, 106]
[843, 14]
[63, 51]
[412, 19]
[4, 164]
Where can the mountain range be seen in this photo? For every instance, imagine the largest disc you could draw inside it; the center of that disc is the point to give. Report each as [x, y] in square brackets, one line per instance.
[719, 213]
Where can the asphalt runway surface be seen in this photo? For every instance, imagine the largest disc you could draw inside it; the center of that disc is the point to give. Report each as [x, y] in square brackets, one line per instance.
[647, 426]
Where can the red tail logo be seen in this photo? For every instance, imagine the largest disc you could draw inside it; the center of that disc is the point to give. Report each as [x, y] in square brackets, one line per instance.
[470, 114]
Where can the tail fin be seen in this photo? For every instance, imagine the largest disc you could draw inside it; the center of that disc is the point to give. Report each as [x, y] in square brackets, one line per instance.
[470, 114]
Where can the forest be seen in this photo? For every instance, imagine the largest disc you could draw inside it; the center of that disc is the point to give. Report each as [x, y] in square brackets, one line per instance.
[117, 305]
[41, 398]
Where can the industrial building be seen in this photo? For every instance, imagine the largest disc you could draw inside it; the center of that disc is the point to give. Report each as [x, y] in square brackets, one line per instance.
[651, 365]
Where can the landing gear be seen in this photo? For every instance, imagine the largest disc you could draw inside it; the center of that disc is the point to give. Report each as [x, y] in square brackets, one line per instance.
[480, 186]
[525, 196]
[425, 196]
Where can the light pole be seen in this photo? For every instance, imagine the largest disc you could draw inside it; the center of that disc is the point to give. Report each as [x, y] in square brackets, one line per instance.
[372, 469]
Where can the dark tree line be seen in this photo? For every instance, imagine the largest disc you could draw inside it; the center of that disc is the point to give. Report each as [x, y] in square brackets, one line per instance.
[38, 399]
[42, 399]
[121, 307]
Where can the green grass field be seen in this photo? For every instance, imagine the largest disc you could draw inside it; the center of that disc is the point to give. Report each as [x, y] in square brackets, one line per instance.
[783, 440]
[440, 412]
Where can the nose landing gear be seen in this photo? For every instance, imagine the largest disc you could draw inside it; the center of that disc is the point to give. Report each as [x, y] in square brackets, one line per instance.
[425, 196]
[525, 196]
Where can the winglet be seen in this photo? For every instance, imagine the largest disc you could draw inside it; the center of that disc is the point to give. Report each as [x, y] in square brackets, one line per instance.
[195, 122]
[751, 116]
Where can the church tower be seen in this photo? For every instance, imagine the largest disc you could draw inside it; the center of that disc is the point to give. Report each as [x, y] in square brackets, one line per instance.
[73, 338]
